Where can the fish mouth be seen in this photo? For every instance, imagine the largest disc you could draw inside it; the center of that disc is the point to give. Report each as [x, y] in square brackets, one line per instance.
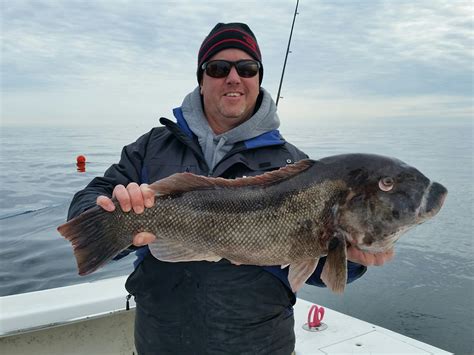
[432, 200]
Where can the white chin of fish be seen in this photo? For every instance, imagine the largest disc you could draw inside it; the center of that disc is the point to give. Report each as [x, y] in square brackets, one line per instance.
[374, 249]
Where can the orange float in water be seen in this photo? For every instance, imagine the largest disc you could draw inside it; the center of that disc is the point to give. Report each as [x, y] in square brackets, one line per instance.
[81, 159]
[81, 163]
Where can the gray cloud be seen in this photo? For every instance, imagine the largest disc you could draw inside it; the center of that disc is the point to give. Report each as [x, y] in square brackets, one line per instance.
[135, 58]
[386, 47]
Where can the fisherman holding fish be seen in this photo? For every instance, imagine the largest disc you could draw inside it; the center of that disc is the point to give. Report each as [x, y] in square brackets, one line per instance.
[200, 303]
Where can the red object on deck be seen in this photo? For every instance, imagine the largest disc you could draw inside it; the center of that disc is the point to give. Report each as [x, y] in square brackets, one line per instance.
[315, 316]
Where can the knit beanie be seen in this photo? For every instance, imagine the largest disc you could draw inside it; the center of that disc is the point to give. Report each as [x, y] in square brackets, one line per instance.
[229, 35]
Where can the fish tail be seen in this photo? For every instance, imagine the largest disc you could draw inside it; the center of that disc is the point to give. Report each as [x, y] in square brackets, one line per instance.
[95, 237]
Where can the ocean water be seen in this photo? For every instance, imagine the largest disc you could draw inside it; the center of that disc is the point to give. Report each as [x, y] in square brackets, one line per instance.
[426, 292]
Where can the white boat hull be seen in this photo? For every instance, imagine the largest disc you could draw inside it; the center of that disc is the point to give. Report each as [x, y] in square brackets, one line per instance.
[91, 319]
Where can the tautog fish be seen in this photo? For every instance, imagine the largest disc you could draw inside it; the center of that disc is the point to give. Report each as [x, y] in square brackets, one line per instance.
[291, 216]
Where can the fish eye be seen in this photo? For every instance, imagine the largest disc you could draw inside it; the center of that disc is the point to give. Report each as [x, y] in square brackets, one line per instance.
[386, 183]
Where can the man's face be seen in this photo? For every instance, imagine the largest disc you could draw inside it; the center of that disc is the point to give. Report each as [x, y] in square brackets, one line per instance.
[231, 100]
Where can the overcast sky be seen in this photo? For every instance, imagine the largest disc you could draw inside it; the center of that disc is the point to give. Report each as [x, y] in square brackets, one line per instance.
[121, 62]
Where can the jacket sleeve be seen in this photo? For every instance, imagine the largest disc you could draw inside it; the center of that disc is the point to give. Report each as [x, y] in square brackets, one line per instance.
[354, 271]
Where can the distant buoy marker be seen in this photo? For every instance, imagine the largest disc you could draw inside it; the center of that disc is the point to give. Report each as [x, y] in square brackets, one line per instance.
[81, 163]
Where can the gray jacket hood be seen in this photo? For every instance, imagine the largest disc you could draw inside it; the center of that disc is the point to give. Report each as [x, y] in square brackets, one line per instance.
[215, 147]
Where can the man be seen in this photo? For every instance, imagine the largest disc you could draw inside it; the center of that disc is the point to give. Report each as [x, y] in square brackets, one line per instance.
[226, 127]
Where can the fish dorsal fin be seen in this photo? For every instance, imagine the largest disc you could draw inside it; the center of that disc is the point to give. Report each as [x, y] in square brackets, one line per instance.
[184, 182]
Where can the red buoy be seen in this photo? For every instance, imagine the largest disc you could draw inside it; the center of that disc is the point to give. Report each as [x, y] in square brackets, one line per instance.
[81, 163]
[81, 159]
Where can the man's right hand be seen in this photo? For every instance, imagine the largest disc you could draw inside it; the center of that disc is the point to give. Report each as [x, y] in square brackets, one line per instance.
[136, 197]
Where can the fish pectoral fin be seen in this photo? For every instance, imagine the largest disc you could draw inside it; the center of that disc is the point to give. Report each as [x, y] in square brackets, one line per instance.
[300, 271]
[334, 273]
[174, 251]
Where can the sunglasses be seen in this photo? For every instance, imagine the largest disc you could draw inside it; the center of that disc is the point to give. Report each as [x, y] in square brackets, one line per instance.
[221, 68]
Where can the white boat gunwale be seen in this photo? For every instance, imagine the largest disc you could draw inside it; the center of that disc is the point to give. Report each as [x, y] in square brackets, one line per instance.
[32, 320]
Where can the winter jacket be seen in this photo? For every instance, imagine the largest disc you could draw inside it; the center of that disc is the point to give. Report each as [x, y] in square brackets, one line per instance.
[204, 307]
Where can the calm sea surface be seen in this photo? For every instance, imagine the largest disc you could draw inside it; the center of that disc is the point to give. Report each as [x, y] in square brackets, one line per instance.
[426, 292]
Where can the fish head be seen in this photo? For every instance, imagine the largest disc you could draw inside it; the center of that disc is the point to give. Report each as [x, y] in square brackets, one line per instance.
[386, 198]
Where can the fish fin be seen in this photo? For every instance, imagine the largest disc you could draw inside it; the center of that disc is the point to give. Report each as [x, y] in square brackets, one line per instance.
[95, 239]
[184, 182]
[173, 251]
[300, 271]
[334, 273]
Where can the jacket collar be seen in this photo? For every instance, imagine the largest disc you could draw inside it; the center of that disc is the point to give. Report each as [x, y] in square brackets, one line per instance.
[266, 139]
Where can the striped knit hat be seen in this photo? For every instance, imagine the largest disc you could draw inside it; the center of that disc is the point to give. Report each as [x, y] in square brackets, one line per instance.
[229, 35]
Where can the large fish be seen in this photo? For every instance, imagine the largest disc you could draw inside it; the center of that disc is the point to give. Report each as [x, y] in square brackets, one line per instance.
[291, 216]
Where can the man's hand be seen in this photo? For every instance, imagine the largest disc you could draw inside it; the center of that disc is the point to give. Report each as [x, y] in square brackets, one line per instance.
[136, 197]
[368, 259]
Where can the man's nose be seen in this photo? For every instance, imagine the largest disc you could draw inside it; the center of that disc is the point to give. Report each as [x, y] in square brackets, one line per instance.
[233, 76]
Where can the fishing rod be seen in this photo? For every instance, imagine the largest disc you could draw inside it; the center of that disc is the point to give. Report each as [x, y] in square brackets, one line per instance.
[287, 51]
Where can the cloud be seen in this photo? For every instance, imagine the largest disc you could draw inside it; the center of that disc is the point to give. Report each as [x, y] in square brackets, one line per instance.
[433, 32]
[74, 41]
[385, 47]
[134, 60]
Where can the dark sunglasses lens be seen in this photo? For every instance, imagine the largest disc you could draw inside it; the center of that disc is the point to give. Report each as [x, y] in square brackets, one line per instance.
[221, 68]
[247, 69]
[218, 69]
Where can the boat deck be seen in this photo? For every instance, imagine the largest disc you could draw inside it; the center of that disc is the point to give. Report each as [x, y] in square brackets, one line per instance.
[90, 318]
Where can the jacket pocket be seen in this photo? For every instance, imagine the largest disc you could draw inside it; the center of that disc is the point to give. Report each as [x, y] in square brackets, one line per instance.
[134, 281]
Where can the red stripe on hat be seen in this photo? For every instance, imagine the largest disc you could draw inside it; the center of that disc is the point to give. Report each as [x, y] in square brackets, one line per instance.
[222, 31]
[223, 41]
